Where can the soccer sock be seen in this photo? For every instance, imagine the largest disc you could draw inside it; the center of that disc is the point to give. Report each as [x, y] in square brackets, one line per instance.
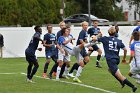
[62, 69]
[58, 72]
[98, 57]
[136, 76]
[29, 69]
[46, 67]
[118, 79]
[54, 68]
[85, 62]
[75, 66]
[128, 83]
[66, 71]
[79, 71]
[34, 71]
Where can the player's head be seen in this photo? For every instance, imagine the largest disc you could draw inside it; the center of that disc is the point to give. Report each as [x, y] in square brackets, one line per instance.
[84, 25]
[49, 28]
[62, 24]
[136, 35]
[112, 31]
[117, 28]
[65, 31]
[138, 22]
[38, 29]
[69, 29]
[95, 23]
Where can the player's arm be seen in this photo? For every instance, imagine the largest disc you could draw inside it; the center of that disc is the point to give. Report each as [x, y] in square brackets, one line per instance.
[67, 41]
[47, 45]
[124, 54]
[37, 36]
[131, 56]
[131, 38]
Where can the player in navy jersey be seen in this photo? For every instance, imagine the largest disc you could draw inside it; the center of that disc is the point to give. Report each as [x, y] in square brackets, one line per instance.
[30, 53]
[50, 49]
[135, 58]
[95, 31]
[112, 46]
[83, 35]
[136, 29]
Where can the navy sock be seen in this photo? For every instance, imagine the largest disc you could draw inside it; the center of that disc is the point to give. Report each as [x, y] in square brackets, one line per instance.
[34, 71]
[62, 69]
[46, 67]
[75, 66]
[128, 83]
[98, 57]
[54, 68]
[29, 69]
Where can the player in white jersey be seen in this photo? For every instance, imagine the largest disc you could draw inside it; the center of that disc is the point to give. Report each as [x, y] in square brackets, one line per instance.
[135, 57]
[65, 43]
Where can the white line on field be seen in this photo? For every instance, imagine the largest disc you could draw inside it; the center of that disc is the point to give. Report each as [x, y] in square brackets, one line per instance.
[83, 85]
[7, 73]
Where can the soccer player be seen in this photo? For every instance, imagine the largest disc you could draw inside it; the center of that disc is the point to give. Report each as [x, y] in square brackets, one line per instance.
[95, 31]
[135, 57]
[30, 53]
[117, 30]
[112, 47]
[83, 35]
[50, 49]
[136, 29]
[1, 45]
[65, 43]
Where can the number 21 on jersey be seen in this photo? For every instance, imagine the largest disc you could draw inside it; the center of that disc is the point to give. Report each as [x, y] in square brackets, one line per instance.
[113, 46]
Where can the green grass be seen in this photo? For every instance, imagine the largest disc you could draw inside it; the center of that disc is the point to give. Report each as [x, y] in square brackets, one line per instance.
[100, 78]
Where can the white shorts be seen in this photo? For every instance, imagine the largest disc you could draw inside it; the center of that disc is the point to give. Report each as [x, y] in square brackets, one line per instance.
[134, 69]
[63, 57]
[76, 52]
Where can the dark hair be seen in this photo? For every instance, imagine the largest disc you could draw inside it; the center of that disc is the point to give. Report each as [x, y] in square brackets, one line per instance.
[36, 27]
[63, 30]
[136, 35]
[48, 25]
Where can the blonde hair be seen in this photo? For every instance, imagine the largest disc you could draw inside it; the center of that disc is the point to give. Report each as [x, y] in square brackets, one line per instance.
[111, 30]
[62, 22]
[84, 23]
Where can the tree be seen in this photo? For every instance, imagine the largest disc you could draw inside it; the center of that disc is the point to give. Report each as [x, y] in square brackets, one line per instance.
[137, 5]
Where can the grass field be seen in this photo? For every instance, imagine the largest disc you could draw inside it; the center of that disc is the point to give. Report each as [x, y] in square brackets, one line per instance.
[94, 80]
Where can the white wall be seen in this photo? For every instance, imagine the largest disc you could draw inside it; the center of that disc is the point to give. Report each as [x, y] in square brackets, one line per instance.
[16, 39]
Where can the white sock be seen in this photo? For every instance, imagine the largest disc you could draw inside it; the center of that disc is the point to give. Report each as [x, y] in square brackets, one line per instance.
[78, 71]
[58, 72]
[136, 76]
[66, 70]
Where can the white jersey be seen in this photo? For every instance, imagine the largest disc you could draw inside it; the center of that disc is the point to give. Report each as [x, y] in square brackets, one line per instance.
[135, 47]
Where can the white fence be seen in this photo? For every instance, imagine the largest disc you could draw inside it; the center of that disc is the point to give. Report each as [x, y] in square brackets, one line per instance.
[16, 39]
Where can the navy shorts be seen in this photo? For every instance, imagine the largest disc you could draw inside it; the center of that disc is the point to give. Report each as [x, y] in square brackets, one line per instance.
[95, 48]
[51, 54]
[113, 65]
[30, 57]
[83, 52]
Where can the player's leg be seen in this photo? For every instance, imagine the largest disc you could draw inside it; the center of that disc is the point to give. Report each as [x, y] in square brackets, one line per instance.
[116, 72]
[48, 59]
[98, 58]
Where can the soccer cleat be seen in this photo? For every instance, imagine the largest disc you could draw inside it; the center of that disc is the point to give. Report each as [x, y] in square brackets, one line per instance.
[66, 77]
[99, 66]
[77, 80]
[71, 75]
[50, 76]
[44, 75]
[57, 79]
[134, 88]
[29, 81]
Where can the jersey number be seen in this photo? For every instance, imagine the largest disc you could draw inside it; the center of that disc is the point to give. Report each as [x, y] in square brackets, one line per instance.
[113, 46]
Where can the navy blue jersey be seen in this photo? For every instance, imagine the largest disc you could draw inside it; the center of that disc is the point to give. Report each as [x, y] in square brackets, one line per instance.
[59, 33]
[93, 31]
[50, 39]
[34, 42]
[111, 46]
[82, 36]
